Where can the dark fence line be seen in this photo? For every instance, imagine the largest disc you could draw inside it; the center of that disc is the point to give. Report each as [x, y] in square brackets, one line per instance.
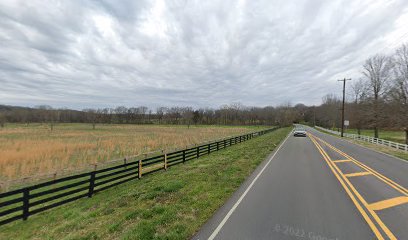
[27, 201]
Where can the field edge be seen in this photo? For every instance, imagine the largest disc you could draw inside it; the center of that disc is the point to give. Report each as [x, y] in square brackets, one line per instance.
[170, 205]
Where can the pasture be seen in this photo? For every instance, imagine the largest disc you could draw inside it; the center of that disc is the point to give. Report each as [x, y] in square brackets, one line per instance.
[172, 204]
[394, 136]
[35, 151]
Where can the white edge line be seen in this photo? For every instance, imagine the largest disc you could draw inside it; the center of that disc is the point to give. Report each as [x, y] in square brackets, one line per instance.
[375, 150]
[360, 145]
[224, 220]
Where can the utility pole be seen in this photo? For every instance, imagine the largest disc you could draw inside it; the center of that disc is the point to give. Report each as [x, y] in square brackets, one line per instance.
[342, 109]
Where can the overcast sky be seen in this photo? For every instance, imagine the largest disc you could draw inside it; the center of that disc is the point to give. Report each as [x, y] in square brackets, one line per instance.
[81, 54]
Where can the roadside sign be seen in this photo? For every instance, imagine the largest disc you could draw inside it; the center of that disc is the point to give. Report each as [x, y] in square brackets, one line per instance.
[346, 123]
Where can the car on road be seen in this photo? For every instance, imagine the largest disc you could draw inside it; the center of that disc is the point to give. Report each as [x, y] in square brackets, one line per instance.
[299, 132]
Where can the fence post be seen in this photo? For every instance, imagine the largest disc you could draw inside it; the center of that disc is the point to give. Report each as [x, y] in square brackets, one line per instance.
[209, 148]
[198, 151]
[91, 184]
[218, 146]
[54, 177]
[165, 161]
[26, 198]
[140, 169]
[230, 141]
[184, 156]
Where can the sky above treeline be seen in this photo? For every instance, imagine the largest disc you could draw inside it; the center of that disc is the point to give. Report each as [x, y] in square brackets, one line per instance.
[81, 54]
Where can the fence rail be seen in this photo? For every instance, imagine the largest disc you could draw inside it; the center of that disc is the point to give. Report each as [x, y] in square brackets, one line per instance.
[27, 201]
[379, 141]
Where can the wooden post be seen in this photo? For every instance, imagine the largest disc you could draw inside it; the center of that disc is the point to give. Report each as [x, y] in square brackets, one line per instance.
[91, 184]
[209, 148]
[54, 177]
[165, 161]
[26, 198]
[218, 147]
[184, 156]
[125, 161]
[140, 169]
[198, 151]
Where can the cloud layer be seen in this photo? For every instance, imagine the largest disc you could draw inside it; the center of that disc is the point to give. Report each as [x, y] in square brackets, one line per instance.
[81, 54]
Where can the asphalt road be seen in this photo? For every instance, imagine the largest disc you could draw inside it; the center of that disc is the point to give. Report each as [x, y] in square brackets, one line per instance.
[318, 187]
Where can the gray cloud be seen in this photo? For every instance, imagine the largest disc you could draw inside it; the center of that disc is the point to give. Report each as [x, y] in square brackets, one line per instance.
[199, 53]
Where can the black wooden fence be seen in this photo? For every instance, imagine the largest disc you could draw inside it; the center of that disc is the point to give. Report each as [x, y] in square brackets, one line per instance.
[24, 202]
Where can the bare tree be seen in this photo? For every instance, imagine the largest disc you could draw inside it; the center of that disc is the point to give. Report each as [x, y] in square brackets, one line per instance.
[401, 72]
[377, 71]
[160, 113]
[91, 116]
[327, 114]
[399, 92]
[358, 91]
[2, 120]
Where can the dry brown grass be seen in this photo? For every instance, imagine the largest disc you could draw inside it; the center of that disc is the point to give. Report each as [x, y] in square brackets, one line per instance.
[34, 150]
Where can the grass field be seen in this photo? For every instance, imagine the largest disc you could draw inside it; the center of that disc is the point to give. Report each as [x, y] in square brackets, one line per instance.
[35, 150]
[388, 150]
[395, 136]
[170, 204]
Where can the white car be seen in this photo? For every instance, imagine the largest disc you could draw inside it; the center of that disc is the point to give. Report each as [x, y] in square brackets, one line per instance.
[299, 132]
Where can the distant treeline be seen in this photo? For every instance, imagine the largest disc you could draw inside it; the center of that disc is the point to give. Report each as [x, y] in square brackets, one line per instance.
[234, 114]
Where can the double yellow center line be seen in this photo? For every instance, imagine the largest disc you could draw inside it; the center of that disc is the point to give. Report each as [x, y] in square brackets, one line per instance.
[367, 210]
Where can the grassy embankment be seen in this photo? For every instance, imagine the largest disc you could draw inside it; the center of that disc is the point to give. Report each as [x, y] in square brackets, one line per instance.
[35, 150]
[394, 136]
[171, 204]
[388, 150]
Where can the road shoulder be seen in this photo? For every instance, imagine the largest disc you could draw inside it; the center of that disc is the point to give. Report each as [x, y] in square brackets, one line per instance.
[211, 225]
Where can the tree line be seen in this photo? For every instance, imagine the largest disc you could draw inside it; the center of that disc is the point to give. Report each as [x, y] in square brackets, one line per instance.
[378, 99]
[232, 114]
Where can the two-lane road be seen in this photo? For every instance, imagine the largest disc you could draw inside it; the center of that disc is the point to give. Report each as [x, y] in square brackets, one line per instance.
[319, 187]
